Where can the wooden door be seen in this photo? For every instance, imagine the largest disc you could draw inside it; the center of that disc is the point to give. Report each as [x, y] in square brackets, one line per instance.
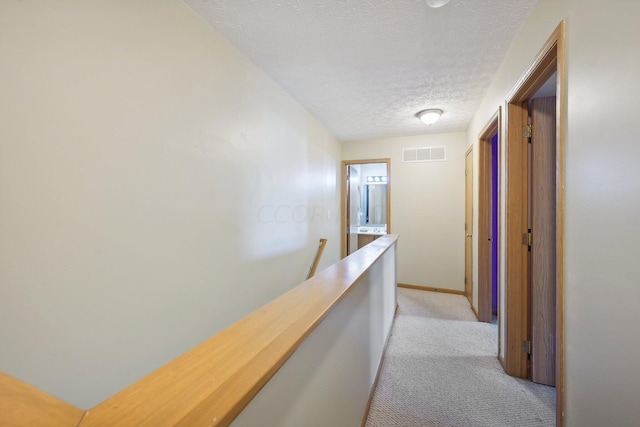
[353, 208]
[468, 226]
[543, 240]
[484, 230]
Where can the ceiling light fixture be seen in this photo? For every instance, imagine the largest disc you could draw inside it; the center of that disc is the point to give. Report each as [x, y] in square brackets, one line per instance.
[429, 117]
[437, 3]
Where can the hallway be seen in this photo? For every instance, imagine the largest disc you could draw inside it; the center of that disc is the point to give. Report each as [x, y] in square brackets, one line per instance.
[440, 369]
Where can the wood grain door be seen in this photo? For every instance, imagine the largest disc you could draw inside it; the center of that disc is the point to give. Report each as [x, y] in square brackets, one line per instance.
[543, 241]
[468, 226]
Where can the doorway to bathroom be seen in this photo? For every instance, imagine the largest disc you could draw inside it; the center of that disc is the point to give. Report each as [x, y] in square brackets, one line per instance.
[366, 202]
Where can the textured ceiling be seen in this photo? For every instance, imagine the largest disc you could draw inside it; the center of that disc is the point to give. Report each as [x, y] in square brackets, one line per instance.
[365, 67]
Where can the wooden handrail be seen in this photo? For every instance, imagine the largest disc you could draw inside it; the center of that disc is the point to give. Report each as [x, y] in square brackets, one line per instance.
[24, 405]
[211, 384]
[314, 266]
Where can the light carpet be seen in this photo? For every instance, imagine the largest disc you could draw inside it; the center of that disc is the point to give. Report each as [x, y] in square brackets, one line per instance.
[440, 369]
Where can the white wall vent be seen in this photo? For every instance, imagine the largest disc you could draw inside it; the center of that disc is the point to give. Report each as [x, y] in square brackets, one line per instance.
[424, 154]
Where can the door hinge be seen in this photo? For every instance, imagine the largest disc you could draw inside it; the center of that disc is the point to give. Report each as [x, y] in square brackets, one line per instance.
[527, 131]
[465, 280]
[527, 238]
[526, 347]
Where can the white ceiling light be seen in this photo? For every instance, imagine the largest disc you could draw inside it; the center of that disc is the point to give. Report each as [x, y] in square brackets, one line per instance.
[437, 3]
[429, 117]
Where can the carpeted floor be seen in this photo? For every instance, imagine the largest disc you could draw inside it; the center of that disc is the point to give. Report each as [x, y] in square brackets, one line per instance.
[440, 369]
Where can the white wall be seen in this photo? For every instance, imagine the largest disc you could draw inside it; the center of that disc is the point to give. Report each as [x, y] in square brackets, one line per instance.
[154, 188]
[329, 378]
[373, 169]
[427, 207]
[602, 198]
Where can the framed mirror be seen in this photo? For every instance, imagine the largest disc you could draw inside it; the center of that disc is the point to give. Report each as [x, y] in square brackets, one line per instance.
[374, 205]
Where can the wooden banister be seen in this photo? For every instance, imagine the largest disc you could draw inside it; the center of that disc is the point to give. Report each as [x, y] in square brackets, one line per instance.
[24, 405]
[314, 266]
[211, 384]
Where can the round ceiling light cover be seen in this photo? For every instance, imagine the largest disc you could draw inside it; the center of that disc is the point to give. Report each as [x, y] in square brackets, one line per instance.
[436, 3]
[429, 116]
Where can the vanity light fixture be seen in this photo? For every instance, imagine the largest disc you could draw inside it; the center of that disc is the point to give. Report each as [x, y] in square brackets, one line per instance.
[379, 179]
[430, 116]
[436, 3]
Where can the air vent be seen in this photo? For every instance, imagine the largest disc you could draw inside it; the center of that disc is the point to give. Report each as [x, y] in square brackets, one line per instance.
[424, 154]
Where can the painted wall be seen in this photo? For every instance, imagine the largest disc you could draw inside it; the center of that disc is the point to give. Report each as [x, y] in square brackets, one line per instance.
[427, 207]
[329, 378]
[602, 202]
[155, 187]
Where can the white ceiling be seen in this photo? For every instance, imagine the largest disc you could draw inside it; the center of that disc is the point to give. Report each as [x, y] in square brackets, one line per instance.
[365, 67]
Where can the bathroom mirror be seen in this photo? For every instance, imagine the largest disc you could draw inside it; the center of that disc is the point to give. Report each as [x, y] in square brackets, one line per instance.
[374, 204]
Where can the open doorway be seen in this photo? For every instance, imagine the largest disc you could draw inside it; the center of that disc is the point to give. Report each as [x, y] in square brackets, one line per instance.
[488, 218]
[534, 240]
[468, 227]
[366, 202]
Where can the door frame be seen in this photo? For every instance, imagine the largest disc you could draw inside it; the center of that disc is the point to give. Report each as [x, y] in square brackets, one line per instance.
[549, 59]
[485, 191]
[344, 202]
[352, 208]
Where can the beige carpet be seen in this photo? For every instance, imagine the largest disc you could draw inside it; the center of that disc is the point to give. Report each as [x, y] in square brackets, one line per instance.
[440, 369]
